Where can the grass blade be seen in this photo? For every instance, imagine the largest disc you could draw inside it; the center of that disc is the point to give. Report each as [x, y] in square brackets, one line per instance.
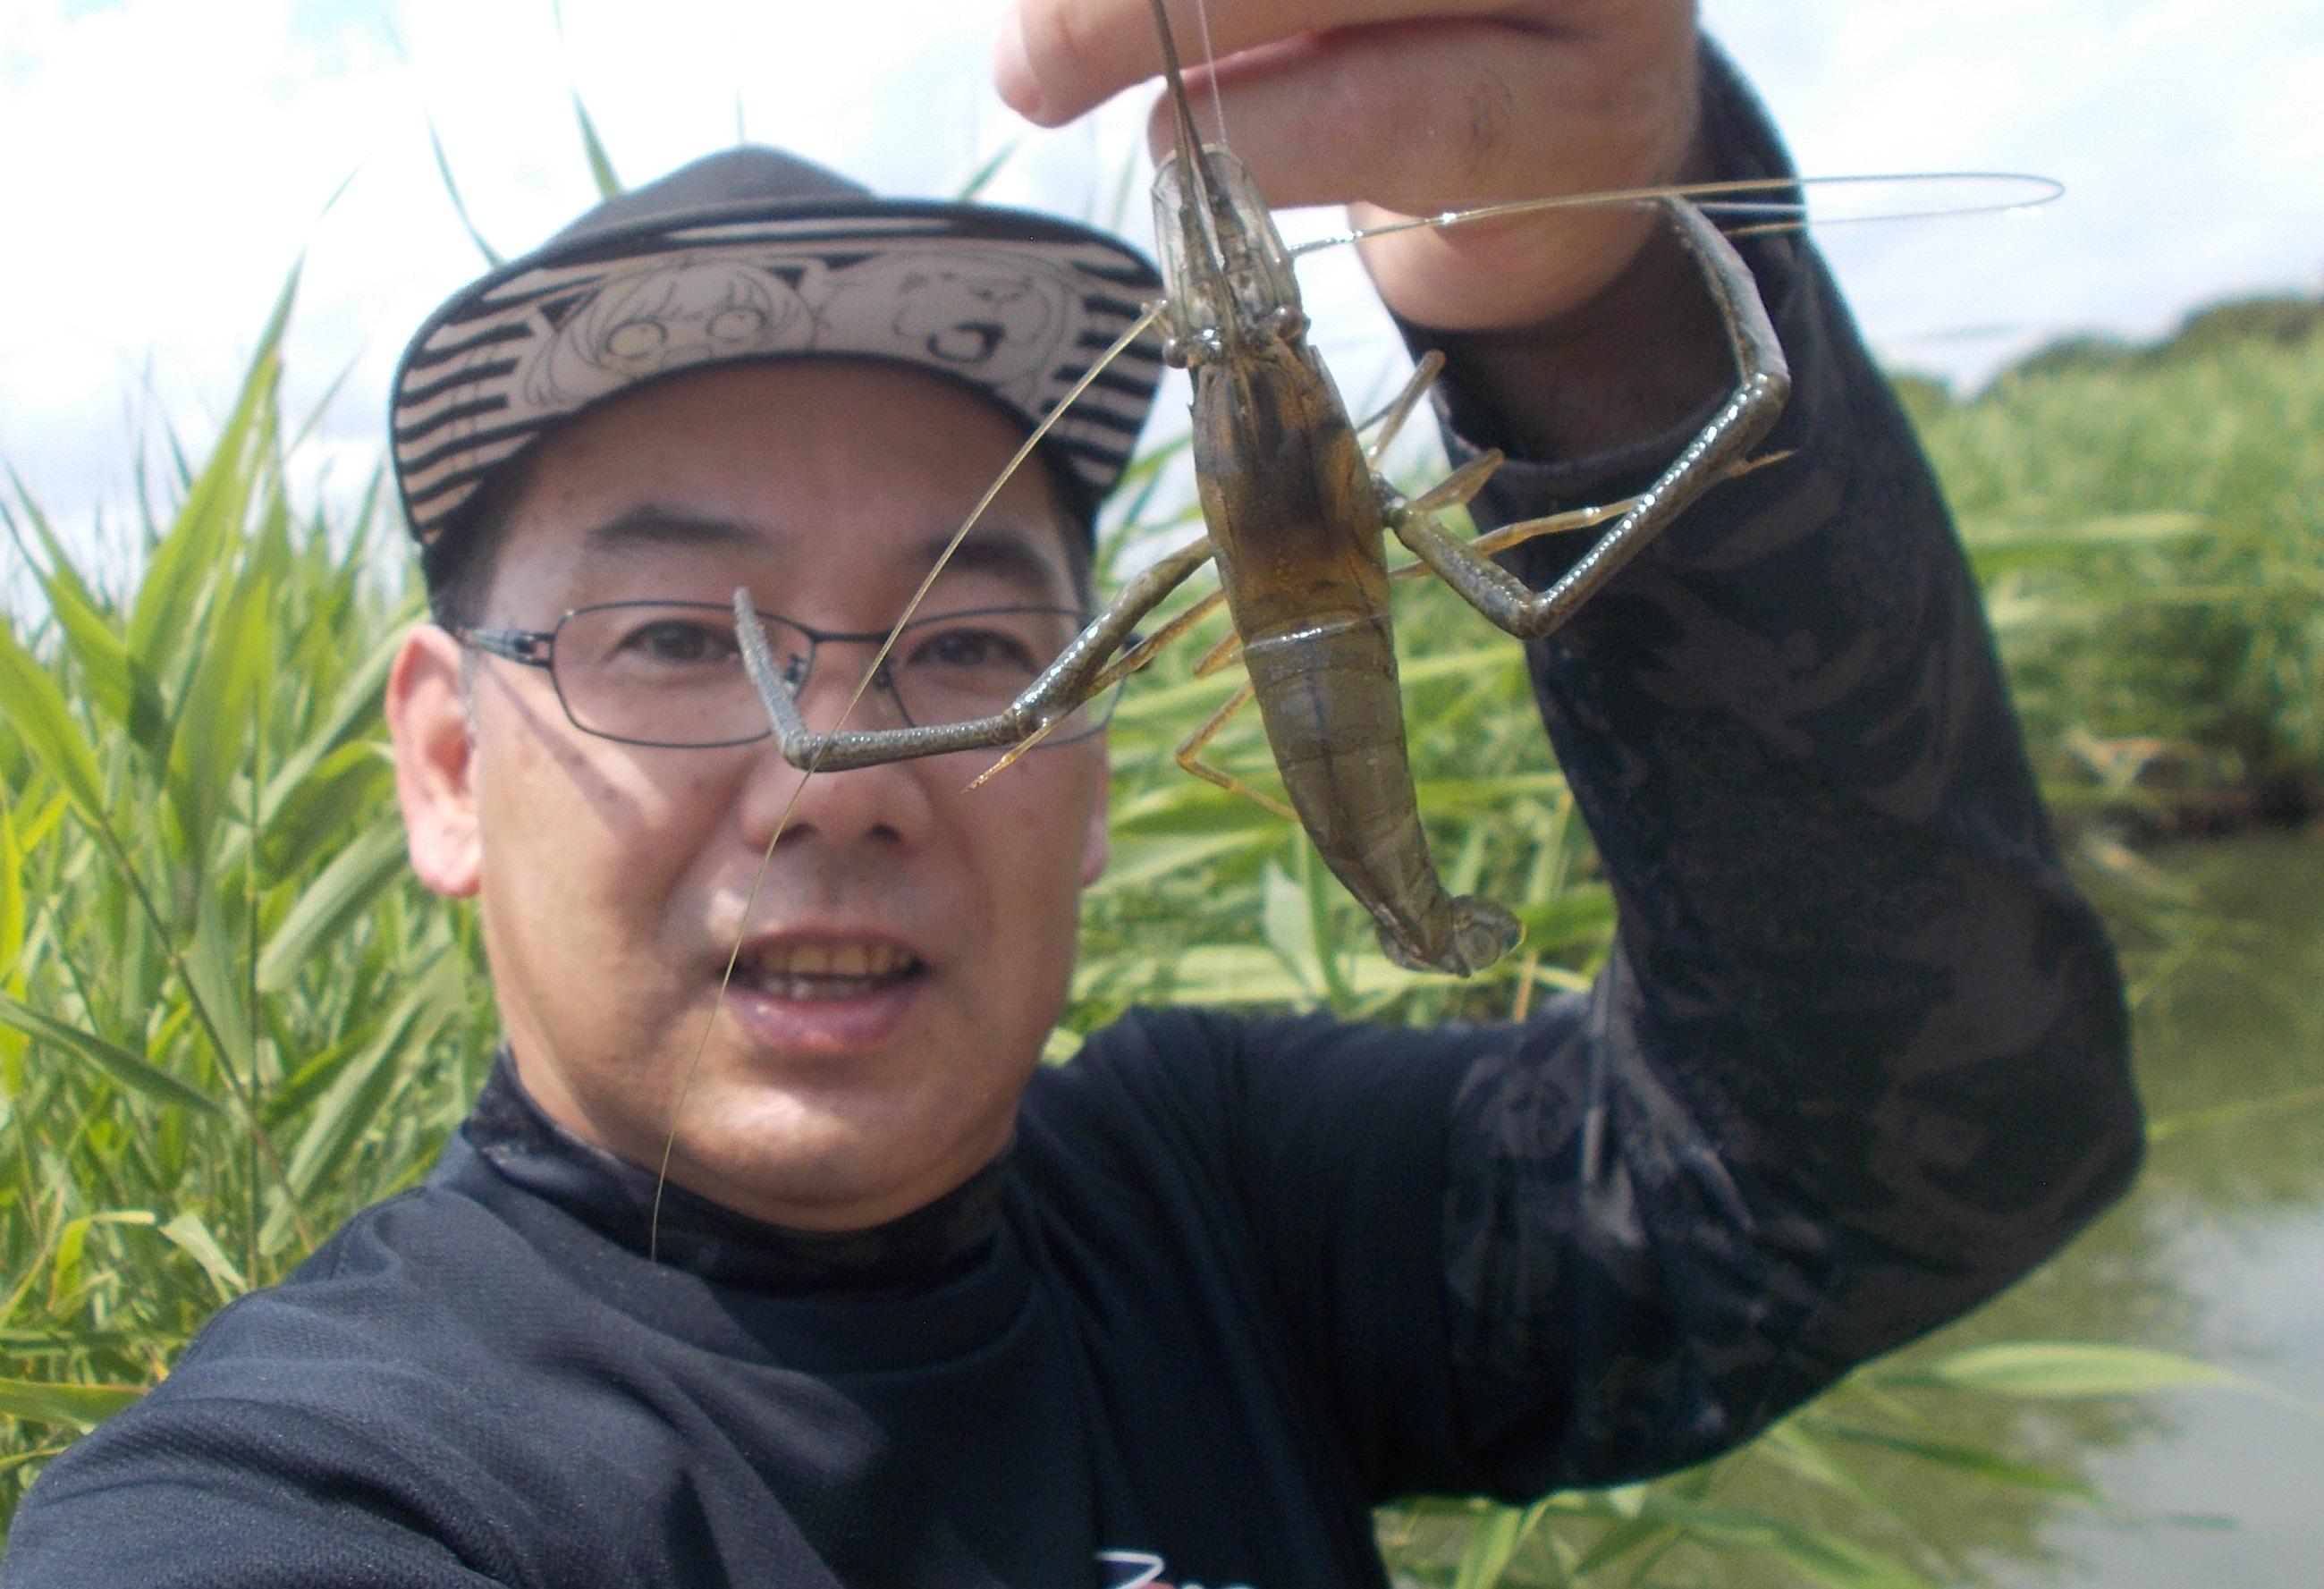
[75, 1406]
[982, 177]
[592, 149]
[460, 205]
[344, 890]
[191, 1234]
[132, 1071]
[352, 1105]
[187, 563]
[33, 703]
[1976, 1462]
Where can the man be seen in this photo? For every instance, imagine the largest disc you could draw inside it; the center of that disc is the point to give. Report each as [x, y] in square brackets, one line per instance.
[917, 1312]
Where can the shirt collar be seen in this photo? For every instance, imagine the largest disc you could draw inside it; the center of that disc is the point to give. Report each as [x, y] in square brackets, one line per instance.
[928, 1245]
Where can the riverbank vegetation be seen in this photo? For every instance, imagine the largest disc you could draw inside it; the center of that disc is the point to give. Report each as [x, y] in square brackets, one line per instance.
[2148, 522]
[228, 1018]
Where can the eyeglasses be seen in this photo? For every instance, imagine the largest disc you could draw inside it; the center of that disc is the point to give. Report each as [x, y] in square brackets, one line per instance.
[670, 673]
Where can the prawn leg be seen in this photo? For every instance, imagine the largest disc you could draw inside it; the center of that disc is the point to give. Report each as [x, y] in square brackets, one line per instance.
[1741, 420]
[1068, 683]
[1129, 662]
[1189, 755]
[1457, 489]
[1144, 652]
[1218, 657]
[1391, 419]
[1495, 541]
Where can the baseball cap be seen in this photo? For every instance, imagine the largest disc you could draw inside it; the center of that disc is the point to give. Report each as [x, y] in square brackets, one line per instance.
[754, 254]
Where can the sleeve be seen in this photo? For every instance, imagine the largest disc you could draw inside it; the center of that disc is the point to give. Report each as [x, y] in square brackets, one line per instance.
[1859, 1057]
[243, 1494]
[294, 1443]
[338, 1429]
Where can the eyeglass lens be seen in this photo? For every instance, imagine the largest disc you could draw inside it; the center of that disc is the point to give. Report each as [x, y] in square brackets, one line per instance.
[670, 673]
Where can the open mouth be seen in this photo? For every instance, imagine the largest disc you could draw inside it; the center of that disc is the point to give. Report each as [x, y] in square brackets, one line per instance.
[811, 972]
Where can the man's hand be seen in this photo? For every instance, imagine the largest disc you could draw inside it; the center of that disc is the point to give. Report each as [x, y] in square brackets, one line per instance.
[1413, 107]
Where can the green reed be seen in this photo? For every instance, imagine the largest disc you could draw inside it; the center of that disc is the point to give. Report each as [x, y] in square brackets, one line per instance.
[2148, 526]
[228, 1018]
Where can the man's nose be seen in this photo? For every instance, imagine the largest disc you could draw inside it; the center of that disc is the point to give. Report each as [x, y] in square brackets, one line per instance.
[888, 800]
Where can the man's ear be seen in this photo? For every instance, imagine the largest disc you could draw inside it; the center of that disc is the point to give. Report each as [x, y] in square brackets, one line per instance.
[427, 720]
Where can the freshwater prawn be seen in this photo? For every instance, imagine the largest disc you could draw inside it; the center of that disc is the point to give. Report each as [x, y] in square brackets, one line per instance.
[1298, 524]
[1297, 518]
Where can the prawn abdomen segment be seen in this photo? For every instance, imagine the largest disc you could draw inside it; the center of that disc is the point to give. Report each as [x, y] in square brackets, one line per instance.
[1328, 694]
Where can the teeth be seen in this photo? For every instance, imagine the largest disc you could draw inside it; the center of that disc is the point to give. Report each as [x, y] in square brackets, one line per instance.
[858, 966]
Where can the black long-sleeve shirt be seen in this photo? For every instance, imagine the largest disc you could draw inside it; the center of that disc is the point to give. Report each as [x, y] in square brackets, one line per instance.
[1856, 1060]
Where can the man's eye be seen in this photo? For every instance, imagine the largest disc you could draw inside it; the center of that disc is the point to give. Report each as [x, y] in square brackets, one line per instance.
[680, 642]
[968, 648]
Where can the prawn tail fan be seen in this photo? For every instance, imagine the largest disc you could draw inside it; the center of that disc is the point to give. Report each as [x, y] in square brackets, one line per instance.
[1482, 932]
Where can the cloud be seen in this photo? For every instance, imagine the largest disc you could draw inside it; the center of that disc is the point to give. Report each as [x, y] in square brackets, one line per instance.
[2185, 135]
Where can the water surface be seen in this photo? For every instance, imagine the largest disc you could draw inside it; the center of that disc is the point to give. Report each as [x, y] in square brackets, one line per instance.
[2219, 1252]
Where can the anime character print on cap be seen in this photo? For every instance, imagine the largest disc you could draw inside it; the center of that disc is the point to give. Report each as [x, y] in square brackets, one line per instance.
[1002, 325]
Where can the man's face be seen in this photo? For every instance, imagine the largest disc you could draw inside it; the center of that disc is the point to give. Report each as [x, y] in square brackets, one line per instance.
[910, 945]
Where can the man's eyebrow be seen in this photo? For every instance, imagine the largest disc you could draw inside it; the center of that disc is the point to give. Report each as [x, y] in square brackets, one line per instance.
[650, 525]
[1009, 552]
[1005, 552]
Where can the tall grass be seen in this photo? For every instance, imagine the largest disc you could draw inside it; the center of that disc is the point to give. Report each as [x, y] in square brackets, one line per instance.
[228, 1018]
[2148, 526]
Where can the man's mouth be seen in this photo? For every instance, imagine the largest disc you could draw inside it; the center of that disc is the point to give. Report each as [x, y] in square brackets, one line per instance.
[806, 971]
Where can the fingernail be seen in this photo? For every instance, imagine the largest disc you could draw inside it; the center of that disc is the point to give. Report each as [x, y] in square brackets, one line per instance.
[1012, 68]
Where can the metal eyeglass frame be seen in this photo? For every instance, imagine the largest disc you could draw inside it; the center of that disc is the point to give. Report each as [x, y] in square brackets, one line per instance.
[537, 648]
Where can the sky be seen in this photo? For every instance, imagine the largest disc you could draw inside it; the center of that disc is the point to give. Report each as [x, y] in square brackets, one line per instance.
[166, 164]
